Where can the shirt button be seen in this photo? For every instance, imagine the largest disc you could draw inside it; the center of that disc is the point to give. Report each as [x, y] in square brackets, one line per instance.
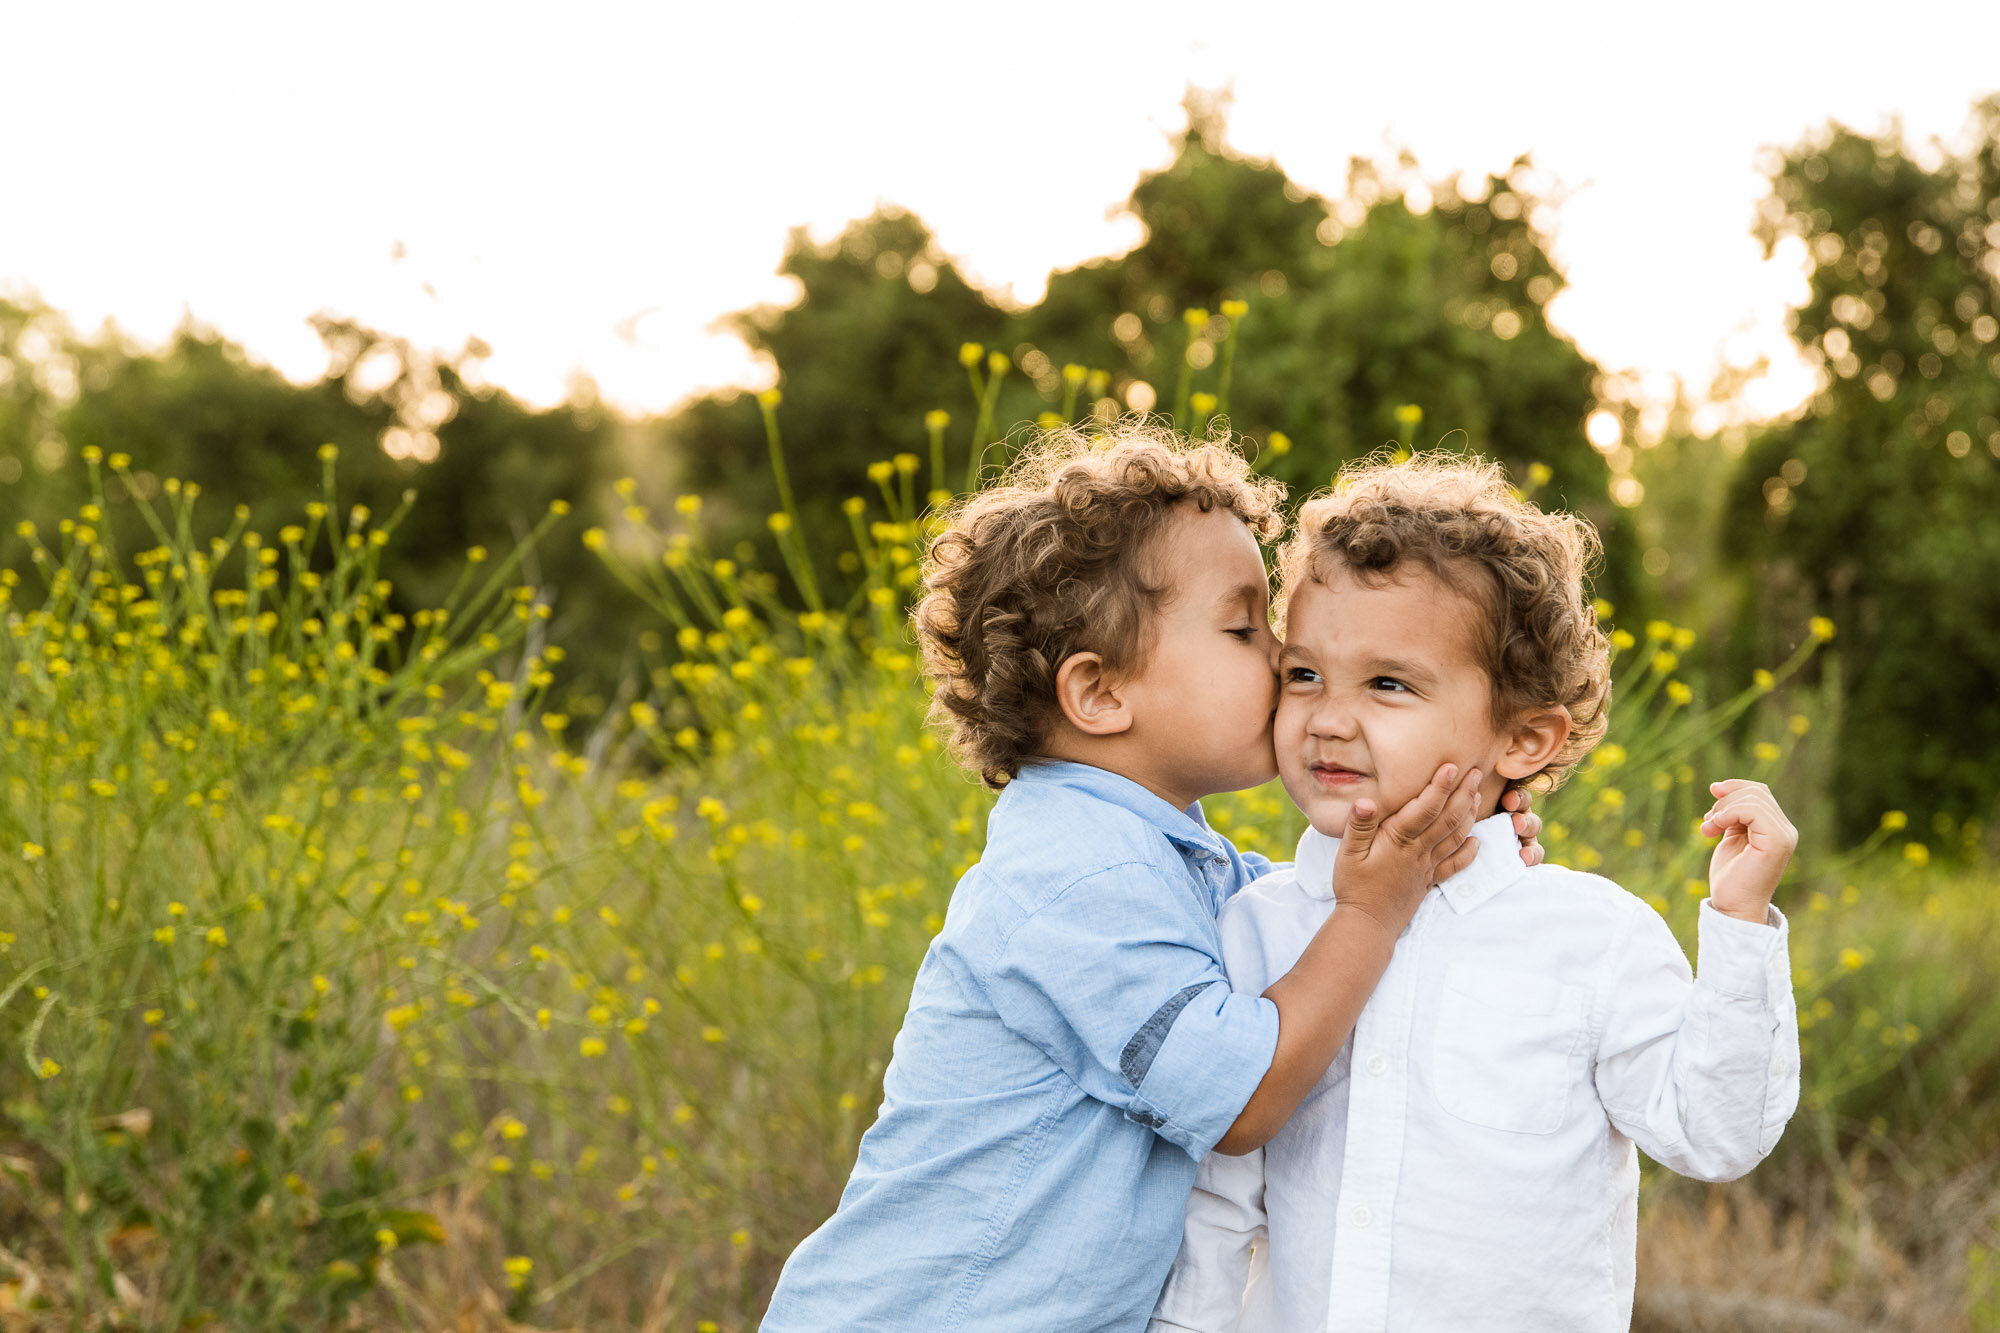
[1378, 1064]
[1362, 1215]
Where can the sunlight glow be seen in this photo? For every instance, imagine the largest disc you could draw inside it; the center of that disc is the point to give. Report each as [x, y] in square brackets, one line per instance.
[601, 216]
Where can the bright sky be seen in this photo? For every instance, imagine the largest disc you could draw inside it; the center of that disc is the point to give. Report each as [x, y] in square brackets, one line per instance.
[588, 186]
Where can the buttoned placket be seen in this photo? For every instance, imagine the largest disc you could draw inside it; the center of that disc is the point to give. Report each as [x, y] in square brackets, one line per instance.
[1371, 1166]
[1214, 872]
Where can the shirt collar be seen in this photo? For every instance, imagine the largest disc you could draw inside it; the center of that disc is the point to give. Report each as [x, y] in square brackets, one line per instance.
[1497, 864]
[1185, 828]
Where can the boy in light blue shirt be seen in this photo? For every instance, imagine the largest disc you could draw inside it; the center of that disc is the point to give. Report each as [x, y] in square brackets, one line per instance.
[1098, 635]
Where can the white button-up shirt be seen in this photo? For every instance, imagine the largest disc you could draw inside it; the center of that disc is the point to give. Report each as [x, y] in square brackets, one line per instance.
[1467, 1162]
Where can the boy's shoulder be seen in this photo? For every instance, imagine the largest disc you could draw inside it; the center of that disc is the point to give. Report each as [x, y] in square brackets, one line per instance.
[1274, 892]
[1040, 842]
[1596, 898]
[1267, 913]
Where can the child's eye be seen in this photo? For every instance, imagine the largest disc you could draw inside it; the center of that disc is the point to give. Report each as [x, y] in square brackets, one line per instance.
[1389, 684]
[1302, 676]
[1244, 634]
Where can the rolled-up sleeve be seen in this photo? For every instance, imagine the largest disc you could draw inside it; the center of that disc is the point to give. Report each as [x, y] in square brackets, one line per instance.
[1118, 980]
[1702, 1071]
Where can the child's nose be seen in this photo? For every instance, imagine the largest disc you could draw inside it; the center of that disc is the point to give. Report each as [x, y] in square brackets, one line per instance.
[1332, 717]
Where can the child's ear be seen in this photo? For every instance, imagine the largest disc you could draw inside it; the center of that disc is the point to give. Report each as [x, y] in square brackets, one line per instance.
[1089, 697]
[1533, 742]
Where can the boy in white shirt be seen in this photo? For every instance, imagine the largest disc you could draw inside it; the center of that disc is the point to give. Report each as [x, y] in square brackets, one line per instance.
[1468, 1161]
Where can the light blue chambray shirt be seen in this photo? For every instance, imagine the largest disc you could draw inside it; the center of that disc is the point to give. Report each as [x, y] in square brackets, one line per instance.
[1072, 1051]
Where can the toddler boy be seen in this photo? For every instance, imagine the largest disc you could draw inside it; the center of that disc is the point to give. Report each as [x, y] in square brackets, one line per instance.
[1097, 633]
[1468, 1161]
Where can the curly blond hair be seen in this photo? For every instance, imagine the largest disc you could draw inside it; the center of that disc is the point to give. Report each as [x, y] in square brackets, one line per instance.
[1054, 560]
[1526, 568]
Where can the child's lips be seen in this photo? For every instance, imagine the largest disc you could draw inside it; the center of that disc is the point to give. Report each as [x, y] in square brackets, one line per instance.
[1335, 777]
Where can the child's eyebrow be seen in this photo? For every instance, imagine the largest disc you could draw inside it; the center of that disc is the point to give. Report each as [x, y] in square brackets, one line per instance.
[1389, 666]
[1249, 595]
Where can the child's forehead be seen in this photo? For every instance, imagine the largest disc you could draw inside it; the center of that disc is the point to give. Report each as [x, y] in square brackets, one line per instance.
[1411, 607]
[1212, 551]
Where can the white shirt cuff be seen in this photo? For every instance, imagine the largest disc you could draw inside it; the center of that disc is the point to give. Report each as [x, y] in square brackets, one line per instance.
[1743, 958]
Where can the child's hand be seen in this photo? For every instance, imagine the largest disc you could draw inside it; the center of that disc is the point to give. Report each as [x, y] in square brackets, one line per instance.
[1527, 825]
[1386, 867]
[1757, 843]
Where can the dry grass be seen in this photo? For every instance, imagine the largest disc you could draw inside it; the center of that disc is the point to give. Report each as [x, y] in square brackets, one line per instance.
[1861, 1258]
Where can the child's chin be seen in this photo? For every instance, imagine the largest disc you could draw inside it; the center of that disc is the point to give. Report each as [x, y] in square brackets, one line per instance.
[1333, 824]
[1329, 814]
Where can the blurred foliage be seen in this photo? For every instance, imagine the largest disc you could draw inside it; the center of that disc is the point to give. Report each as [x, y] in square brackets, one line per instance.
[202, 412]
[345, 983]
[881, 314]
[1877, 505]
[1356, 309]
[1346, 312]
[1403, 312]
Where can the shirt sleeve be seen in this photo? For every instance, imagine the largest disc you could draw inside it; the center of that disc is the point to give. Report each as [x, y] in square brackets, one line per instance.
[1118, 981]
[1702, 1071]
[1225, 1219]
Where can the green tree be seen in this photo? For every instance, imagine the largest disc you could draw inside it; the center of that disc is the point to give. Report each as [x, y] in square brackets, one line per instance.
[201, 411]
[1877, 505]
[863, 355]
[1355, 310]
[1350, 318]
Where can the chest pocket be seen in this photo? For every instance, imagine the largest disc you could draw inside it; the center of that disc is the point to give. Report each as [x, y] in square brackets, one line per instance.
[1505, 1048]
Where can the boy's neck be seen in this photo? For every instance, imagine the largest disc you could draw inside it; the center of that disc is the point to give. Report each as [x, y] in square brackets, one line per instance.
[1102, 752]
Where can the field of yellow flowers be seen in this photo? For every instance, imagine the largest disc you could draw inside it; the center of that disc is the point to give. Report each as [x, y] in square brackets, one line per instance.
[345, 984]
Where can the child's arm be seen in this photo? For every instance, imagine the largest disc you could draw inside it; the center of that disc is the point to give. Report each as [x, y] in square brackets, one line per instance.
[1225, 1217]
[1383, 873]
[1703, 1071]
[1116, 979]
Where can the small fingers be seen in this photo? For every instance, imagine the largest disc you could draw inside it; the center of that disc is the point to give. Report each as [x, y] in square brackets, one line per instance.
[1745, 800]
[1359, 835]
[1408, 825]
[1455, 824]
[1749, 808]
[1461, 857]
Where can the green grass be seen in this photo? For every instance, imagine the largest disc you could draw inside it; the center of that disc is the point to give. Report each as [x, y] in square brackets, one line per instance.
[341, 981]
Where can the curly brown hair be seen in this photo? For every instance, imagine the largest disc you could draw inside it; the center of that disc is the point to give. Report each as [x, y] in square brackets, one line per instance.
[1526, 568]
[1054, 560]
